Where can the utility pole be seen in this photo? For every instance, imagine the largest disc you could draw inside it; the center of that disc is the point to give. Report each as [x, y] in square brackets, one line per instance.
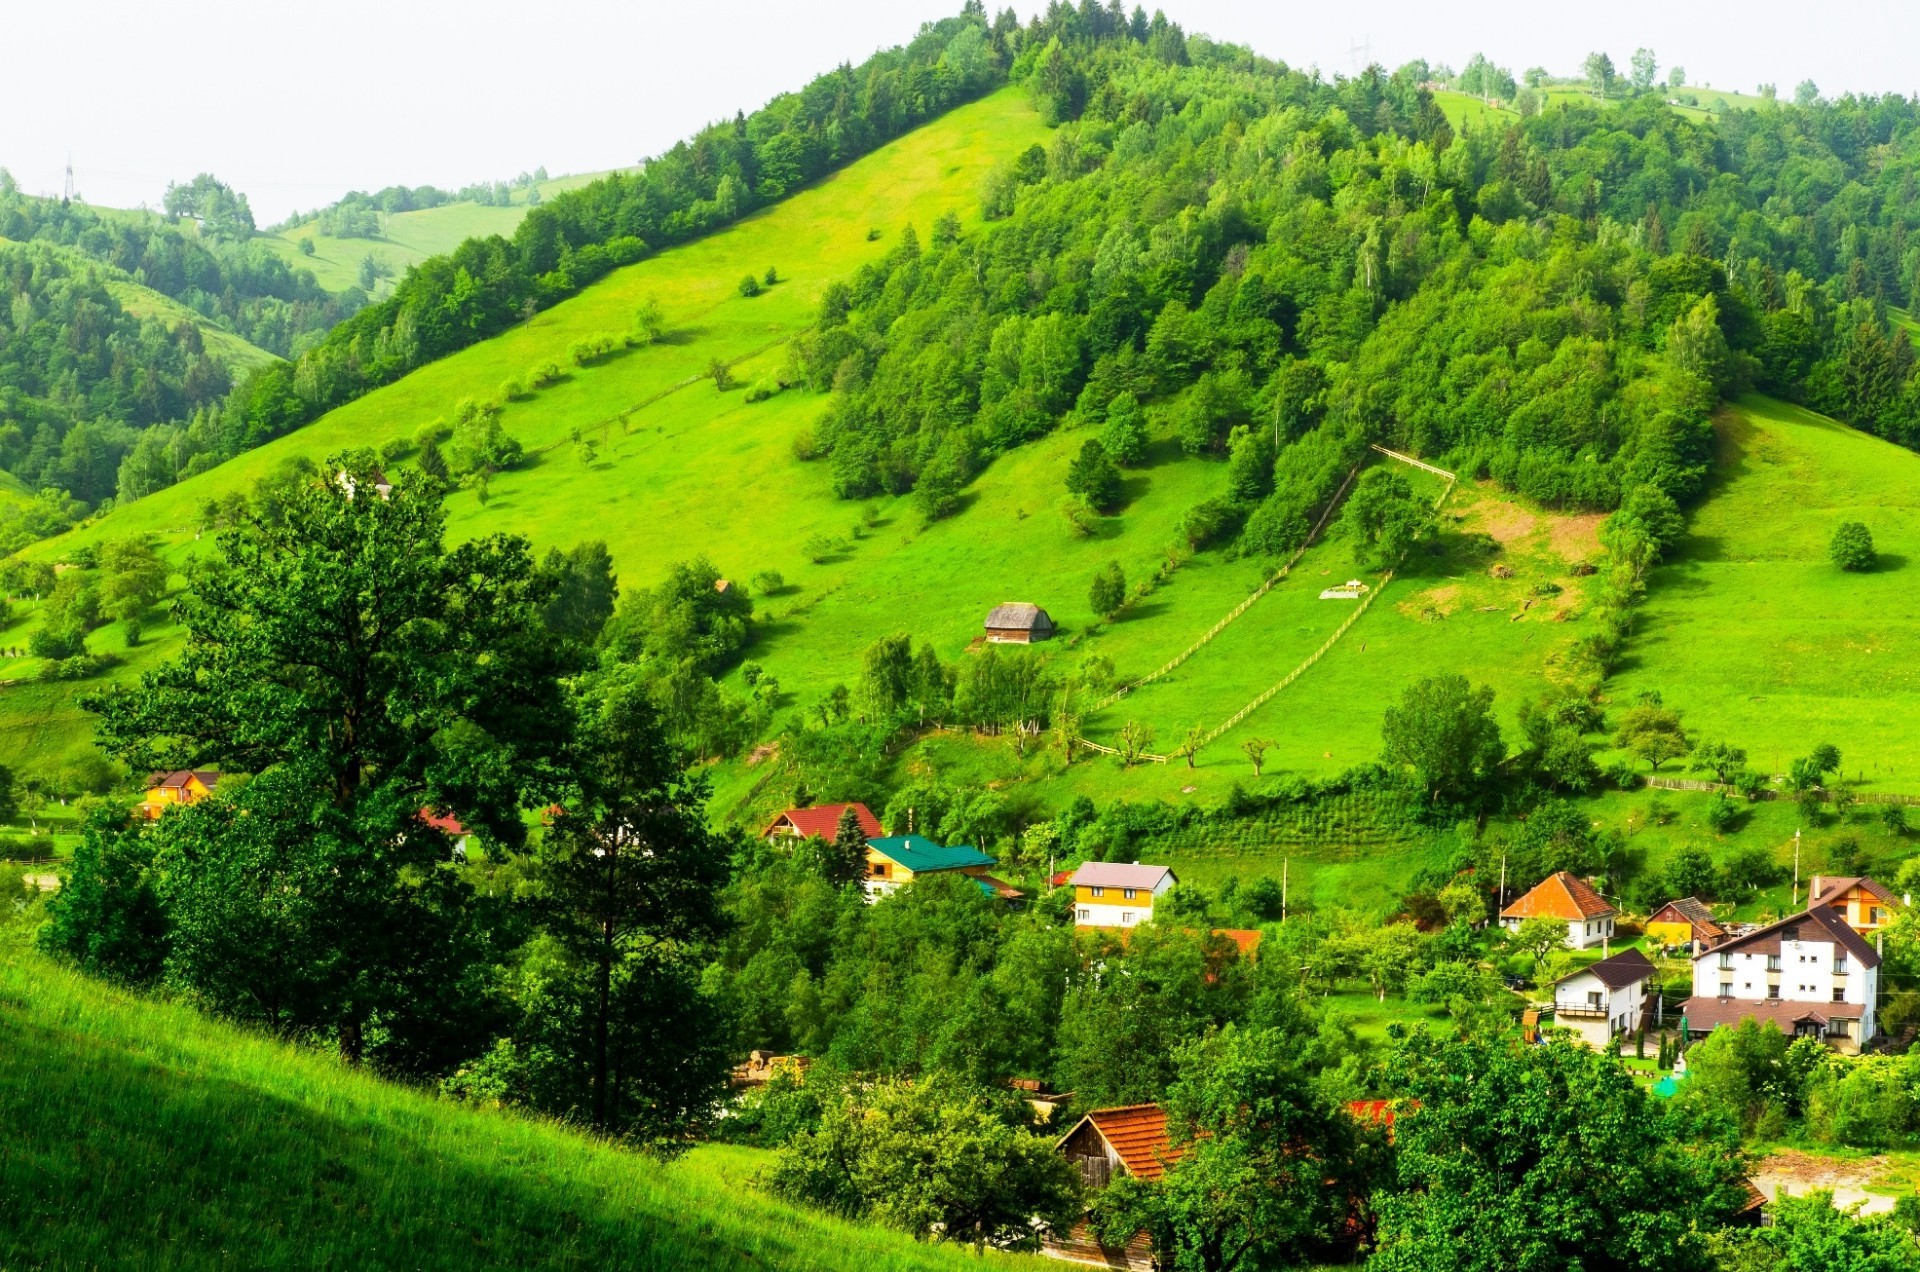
[67, 197]
[1503, 882]
[1796, 869]
[1284, 863]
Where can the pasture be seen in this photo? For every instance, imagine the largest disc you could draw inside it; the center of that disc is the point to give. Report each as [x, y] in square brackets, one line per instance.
[1756, 636]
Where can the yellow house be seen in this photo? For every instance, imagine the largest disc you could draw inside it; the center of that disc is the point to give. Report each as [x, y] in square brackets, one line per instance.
[894, 861]
[1117, 894]
[184, 786]
[1866, 905]
[1686, 924]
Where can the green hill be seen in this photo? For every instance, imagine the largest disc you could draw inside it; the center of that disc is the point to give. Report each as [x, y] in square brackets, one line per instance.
[143, 1134]
[1757, 635]
[407, 238]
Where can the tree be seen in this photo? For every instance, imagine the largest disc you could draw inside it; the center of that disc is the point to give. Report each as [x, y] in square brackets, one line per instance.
[1722, 759]
[1190, 744]
[1272, 1171]
[1444, 731]
[934, 1157]
[1598, 69]
[362, 672]
[1384, 517]
[584, 590]
[1644, 69]
[1255, 749]
[135, 577]
[1811, 1233]
[1852, 547]
[1124, 436]
[749, 286]
[1135, 738]
[721, 374]
[1690, 873]
[1484, 1152]
[1806, 93]
[1109, 590]
[1676, 77]
[1809, 772]
[1654, 733]
[1094, 478]
[1538, 937]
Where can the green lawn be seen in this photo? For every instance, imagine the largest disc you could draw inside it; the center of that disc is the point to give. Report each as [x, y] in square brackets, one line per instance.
[141, 1134]
[1756, 636]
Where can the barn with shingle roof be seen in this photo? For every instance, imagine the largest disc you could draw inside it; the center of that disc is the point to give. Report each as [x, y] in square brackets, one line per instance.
[1018, 623]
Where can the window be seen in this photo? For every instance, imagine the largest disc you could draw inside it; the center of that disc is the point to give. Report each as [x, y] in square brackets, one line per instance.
[1726, 960]
[1773, 962]
[1726, 989]
[1126, 916]
[877, 869]
[1789, 933]
[1773, 992]
[1877, 916]
[1840, 995]
[1127, 893]
[1099, 892]
[1839, 964]
[1593, 999]
[1085, 914]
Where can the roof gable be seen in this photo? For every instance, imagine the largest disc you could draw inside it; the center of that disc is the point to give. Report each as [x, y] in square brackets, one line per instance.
[923, 856]
[1618, 972]
[1119, 874]
[1828, 890]
[1688, 910]
[823, 820]
[1137, 1134]
[1018, 616]
[1832, 928]
[1559, 896]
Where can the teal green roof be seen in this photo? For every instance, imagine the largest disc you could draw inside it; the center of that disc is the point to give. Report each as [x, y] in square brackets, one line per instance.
[922, 856]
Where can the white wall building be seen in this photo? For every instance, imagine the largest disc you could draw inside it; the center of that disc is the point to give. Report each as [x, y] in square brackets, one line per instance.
[1116, 894]
[1607, 998]
[1572, 900]
[1811, 974]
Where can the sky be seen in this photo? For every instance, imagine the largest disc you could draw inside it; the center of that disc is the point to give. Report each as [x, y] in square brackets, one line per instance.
[297, 104]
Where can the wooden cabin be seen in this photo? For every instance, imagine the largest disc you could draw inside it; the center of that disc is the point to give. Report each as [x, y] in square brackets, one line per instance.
[182, 786]
[1018, 623]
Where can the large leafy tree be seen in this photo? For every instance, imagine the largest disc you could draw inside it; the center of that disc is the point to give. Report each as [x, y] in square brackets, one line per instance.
[1516, 1159]
[362, 672]
[1443, 730]
[630, 881]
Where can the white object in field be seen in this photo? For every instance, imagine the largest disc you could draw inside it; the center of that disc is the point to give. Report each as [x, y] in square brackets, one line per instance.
[1351, 590]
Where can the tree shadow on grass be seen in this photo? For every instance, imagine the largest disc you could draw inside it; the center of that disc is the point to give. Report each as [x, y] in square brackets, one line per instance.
[1888, 562]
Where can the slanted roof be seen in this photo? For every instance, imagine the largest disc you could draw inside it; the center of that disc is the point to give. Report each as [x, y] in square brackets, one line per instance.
[1116, 874]
[1018, 616]
[1137, 1134]
[444, 821]
[1690, 910]
[1559, 896]
[823, 820]
[1246, 940]
[923, 856]
[1618, 972]
[998, 888]
[1827, 890]
[1704, 1012]
[178, 779]
[1832, 927]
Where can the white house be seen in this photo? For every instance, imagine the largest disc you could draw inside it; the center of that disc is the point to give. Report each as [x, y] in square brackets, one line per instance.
[1604, 999]
[1560, 895]
[1811, 974]
[1115, 894]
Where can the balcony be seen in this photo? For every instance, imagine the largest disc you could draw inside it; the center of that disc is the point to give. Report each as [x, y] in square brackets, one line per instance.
[1581, 1013]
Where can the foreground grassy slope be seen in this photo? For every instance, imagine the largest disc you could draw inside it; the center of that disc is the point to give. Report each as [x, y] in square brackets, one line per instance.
[1754, 633]
[140, 1134]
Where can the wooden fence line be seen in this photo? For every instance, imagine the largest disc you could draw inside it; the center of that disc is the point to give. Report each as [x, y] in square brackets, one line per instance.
[1090, 744]
[1421, 464]
[1245, 604]
[1656, 782]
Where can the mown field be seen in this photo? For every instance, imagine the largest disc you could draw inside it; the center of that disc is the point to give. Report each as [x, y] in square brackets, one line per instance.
[407, 238]
[143, 1134]
[1752, 631]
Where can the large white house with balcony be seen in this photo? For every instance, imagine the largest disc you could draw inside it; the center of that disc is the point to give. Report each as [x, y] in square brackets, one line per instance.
[1605, 998]
[1811, 974]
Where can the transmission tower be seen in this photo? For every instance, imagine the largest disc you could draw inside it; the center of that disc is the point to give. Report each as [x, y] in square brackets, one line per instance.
[67, 197]
[1361, 54]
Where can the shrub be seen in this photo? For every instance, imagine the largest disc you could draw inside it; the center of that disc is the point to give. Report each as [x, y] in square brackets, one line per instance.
[592, 349]
[1852, 547]
[773, 276]
[1109, 590]
[721, 374]
[1209, 521]
[512, 389]
[544, 373]
[749, 286]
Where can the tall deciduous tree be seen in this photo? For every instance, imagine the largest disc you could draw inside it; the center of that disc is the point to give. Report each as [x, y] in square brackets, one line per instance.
[1444, 731]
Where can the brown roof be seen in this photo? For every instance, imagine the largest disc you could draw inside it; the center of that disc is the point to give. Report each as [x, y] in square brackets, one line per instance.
[1021, 616]
[1618, 972]
[1137, 1134]
[177, 779]
[1247, 940]
[1767, 940]
[1707, 1012]
[1826, 890]
[1559, 896]
[1689, 910]
[823, 820]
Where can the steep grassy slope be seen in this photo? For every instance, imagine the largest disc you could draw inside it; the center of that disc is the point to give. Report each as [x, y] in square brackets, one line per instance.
[1757, 636]
[141, 1134]
[407, 238]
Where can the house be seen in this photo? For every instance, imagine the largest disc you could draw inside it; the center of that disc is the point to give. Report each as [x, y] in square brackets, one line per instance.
[821, 820]
[1605, 998]
[1686, 924]
[1589, 919]
[1866, 904]
[762, 1067]
[896, 860]
[449, 825]
[381, 486]
[182, 786]
[1018, 623]
[1810, 974]
[1102, 1145]
[1115, 894]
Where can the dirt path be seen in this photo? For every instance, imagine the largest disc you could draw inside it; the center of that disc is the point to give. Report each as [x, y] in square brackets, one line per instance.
[1797, 1174]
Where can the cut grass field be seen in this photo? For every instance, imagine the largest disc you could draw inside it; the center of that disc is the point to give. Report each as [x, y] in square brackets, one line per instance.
[1757, 636]
[141, 1134]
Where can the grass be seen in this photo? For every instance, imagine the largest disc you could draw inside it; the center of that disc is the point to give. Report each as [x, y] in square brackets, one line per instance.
[1751, 630]
[407, 238]
[141, 1134]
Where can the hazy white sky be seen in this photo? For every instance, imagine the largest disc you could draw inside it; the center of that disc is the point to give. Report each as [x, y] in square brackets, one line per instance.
[296, 104]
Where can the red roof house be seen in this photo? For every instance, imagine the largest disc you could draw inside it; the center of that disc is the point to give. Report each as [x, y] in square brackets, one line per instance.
[821, 820]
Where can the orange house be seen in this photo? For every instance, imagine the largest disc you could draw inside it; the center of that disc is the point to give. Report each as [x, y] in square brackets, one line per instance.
[183, 786]
[1866, 905]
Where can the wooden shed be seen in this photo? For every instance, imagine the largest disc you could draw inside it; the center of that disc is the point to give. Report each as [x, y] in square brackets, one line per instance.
[1018, 623]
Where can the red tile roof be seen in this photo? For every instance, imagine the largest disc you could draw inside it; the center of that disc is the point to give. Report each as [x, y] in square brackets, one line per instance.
[1247, 939]
[1137, 1134]
[444, 821]
[1559, 896]
[824, 819]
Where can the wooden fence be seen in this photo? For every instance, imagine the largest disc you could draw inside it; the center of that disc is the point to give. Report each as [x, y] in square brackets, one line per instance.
[1657, 782]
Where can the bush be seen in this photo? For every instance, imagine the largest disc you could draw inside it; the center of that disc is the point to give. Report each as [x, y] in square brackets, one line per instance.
[545, 373]
[1109, 590]
[749, 286]
[593, 348]
[721, 374]
[1209, 522]
[512, 389]
[1852, 547]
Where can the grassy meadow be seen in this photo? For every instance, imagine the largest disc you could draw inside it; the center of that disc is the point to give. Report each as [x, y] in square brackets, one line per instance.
[143, 1134]
[1753, 632]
